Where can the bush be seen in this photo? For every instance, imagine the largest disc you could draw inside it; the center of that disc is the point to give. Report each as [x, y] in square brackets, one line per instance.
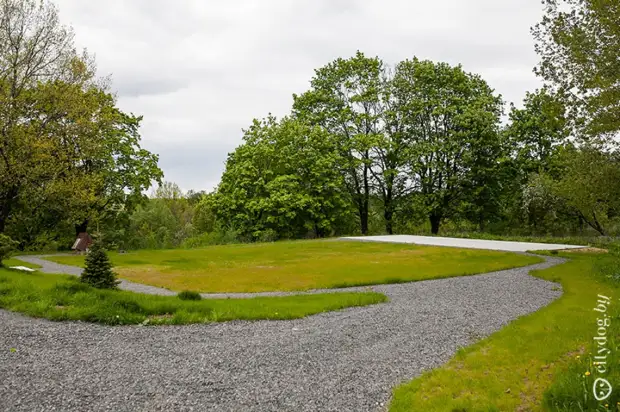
[7, 245]
[98, 271]
[266, 236]
[219, 237]
[189, 295]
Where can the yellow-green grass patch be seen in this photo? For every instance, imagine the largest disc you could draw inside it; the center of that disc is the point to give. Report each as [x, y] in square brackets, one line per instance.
[301, 265]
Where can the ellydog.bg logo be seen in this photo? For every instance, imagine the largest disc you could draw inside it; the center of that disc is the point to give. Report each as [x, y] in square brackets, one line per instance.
[601, 387]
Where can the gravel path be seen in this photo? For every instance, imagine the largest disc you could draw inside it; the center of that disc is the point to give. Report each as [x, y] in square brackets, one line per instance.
[53, 267]
[48, 266]
[339, 361]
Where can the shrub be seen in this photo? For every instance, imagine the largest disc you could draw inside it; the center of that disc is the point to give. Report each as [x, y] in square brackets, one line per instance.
[98, 269]
[7, 245]
[219, 237]
[189, 295]
[268, 235]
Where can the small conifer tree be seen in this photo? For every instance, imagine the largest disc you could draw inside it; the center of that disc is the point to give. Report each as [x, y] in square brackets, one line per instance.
[98, 271]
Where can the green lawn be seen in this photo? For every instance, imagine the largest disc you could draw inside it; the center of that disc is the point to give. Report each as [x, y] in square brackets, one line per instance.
[63, 297]
[539, 362]
[301, 265]
[14, 262]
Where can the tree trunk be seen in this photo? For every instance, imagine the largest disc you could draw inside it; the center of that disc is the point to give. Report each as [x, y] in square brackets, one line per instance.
[5, 209]
[364, 220]
[388, 209]
[388, 214]
[435, 222]
[364, 217]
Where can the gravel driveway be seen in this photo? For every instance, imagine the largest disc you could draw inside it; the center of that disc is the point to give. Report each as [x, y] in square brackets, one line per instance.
[339, 361]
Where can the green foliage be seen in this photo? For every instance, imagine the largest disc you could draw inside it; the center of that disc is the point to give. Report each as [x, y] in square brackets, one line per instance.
[204, 220]
[7, 245]
[217, 237]
[536, 132]
[578, 42]
[61, 298]
[591, 186]
[189, 295]
[98, 269]
[540, 202]
[346, 101]
[69, 154]
[282, 182]
[451, 119]
[163, 221]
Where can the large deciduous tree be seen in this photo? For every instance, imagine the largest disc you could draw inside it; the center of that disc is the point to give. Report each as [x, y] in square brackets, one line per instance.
[578, 41]
[450, 119]
[537, 131]
[345, 100]
[283, 181]
[536, 134]
[66, 152]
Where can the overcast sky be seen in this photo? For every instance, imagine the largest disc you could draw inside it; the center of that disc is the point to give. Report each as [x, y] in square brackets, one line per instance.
[200, 70]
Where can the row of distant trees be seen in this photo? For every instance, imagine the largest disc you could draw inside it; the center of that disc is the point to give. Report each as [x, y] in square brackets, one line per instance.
[419, 147]
[422, 141]
[425, 140]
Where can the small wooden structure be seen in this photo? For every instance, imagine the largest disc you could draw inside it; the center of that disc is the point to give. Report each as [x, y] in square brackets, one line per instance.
[82, 242]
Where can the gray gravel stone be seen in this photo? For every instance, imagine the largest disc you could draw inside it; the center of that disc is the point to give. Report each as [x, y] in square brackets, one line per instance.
[340, 361]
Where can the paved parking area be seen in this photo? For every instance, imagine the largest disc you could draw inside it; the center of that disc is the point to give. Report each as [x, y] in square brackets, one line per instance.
[465, 243]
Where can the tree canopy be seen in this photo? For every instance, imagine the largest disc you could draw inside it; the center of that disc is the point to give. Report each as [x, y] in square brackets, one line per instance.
[283, 181]
[67, 153]
[578, 42]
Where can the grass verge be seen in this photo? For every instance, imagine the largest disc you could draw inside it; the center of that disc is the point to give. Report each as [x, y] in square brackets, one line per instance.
[301, 265]
[543, 361]
[62, 297]
[14, 262]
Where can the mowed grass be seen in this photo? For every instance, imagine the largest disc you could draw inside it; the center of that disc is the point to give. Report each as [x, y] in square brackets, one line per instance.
[540, 362]
[63, 297]
[14, 262]
[301, 265]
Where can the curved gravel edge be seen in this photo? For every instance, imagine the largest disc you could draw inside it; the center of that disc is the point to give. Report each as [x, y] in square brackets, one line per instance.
[48, 266]
[348, 360]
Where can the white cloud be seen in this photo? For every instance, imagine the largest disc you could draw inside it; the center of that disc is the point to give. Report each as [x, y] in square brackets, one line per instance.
[200, 70]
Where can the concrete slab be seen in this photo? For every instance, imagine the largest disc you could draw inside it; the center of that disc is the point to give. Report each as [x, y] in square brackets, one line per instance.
[22, 268]
[464, 243]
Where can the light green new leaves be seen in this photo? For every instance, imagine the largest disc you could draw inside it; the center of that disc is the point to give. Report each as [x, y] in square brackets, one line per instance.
[283, 181]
